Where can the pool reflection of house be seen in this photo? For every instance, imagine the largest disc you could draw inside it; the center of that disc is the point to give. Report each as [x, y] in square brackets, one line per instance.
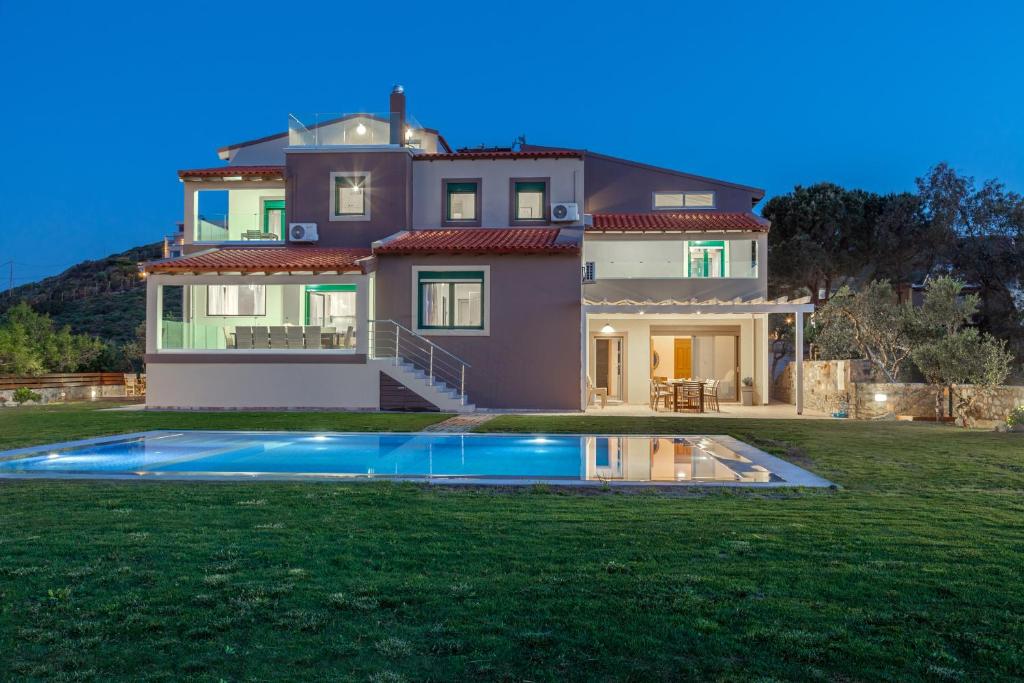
[643, 458]
[357, 261]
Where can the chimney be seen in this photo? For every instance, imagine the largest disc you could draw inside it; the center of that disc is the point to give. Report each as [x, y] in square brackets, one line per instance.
[397, 109]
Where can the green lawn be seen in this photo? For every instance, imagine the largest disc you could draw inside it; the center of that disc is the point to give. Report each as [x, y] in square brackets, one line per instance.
[53, 423]
[911, 570]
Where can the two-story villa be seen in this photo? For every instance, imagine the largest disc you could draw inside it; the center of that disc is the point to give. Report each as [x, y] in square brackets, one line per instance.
[356, 261]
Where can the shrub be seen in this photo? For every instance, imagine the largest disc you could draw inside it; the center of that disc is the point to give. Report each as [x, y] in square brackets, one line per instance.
[24, 394]
[1016, 417]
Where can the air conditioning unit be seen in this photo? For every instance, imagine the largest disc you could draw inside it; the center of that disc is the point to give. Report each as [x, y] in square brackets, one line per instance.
[565, 212]
[302, 232]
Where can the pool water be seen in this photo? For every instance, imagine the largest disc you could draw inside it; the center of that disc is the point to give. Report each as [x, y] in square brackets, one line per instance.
[471, 457]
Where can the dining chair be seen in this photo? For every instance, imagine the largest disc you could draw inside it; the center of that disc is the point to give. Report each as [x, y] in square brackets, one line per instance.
[711, 394]
[689, 396]
[661, 392]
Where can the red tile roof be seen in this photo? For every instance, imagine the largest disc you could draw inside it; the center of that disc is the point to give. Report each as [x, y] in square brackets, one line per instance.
[693, 221]
[479, 240]
[501, 154]
[265, 260]
[227, 171]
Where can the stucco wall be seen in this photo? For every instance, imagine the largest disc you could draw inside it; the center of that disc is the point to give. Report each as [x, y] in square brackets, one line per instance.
[390, 193]
[621, 186]
[262, 385]
[531, 356]
[566, 185]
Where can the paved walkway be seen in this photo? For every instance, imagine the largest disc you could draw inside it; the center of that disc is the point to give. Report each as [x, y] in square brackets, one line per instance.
[772, 411]
[461, 423]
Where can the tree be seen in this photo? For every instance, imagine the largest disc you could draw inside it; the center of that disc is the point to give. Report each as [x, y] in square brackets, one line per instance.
[134, 350]
[29, 344]
[869, 324]
[984, 228]
[951, 355]
[899, 244]
[810, 245]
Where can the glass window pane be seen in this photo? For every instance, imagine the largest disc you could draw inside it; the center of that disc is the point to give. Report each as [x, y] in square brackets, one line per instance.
[434, 304]
[468, 304]
[236, 300]
[707, 259]
[350, 195]
[636, 258]
[529, 201]
[698, 200]
[462, 201]
[668, 200]
[742, 258]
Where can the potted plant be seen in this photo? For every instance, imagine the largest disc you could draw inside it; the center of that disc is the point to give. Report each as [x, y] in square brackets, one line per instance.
[1015, 420]
[747, 391]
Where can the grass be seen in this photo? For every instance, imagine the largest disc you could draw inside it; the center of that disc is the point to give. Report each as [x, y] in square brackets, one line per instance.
[910, 571]
[66, 422]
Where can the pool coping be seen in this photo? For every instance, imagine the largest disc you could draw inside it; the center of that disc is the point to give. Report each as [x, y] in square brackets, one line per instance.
[793, 476]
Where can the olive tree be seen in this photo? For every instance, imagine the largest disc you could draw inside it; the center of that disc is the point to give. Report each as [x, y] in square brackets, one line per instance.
[869, 324]
[951, 355]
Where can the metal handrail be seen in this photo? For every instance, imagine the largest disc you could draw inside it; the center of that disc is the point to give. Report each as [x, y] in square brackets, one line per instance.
[438, 363]
[424, 339]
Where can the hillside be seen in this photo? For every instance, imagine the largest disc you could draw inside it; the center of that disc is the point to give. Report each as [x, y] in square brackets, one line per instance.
[105, 298]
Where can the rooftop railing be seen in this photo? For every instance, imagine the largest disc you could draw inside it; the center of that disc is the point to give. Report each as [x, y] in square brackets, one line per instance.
[354, 128]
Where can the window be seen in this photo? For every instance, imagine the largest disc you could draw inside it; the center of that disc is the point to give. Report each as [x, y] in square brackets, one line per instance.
[451, 300]
[238, 300]
[350, 198]
[273, 219]
[707, 259]
[529, 200]
[461, 202]
[684, 200]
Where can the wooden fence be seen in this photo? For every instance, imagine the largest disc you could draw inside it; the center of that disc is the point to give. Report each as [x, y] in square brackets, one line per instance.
[62, 381]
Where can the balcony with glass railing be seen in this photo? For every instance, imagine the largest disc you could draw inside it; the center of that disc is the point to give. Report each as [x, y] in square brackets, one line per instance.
[236, 227]
[656, 269]
[356, 128]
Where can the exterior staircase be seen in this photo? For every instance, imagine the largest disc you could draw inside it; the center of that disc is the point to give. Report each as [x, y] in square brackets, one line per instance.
[421, 366]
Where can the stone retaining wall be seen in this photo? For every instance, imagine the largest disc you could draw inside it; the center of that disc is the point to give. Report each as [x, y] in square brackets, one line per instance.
[827, 382]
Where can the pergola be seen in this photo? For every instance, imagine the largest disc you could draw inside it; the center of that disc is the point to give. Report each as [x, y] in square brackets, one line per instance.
[756, 306]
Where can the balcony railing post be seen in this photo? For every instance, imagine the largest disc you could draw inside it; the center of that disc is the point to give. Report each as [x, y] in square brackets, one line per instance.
[431, 364]
[462, 383]
[397, 333]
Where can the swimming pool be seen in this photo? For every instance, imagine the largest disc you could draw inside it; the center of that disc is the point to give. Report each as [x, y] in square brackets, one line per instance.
[454, 458]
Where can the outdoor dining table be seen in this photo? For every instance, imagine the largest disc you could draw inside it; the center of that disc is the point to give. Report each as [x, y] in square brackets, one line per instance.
[676, 383]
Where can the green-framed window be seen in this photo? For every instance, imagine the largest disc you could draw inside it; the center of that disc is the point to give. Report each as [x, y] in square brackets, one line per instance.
[450, 300]
[273, 218]
[329, 305]
[529, 199]
[460, 201]
[706, 258]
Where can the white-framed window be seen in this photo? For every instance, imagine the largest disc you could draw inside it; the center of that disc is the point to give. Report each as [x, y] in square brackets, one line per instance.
[236, 300]
[350, 196]
[451, 300]
[684, 200]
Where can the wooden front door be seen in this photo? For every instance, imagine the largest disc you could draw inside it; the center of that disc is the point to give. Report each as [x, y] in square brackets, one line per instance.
[683, 365]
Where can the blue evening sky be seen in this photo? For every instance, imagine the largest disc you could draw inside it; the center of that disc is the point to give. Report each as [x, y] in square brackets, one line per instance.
[103, 102]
